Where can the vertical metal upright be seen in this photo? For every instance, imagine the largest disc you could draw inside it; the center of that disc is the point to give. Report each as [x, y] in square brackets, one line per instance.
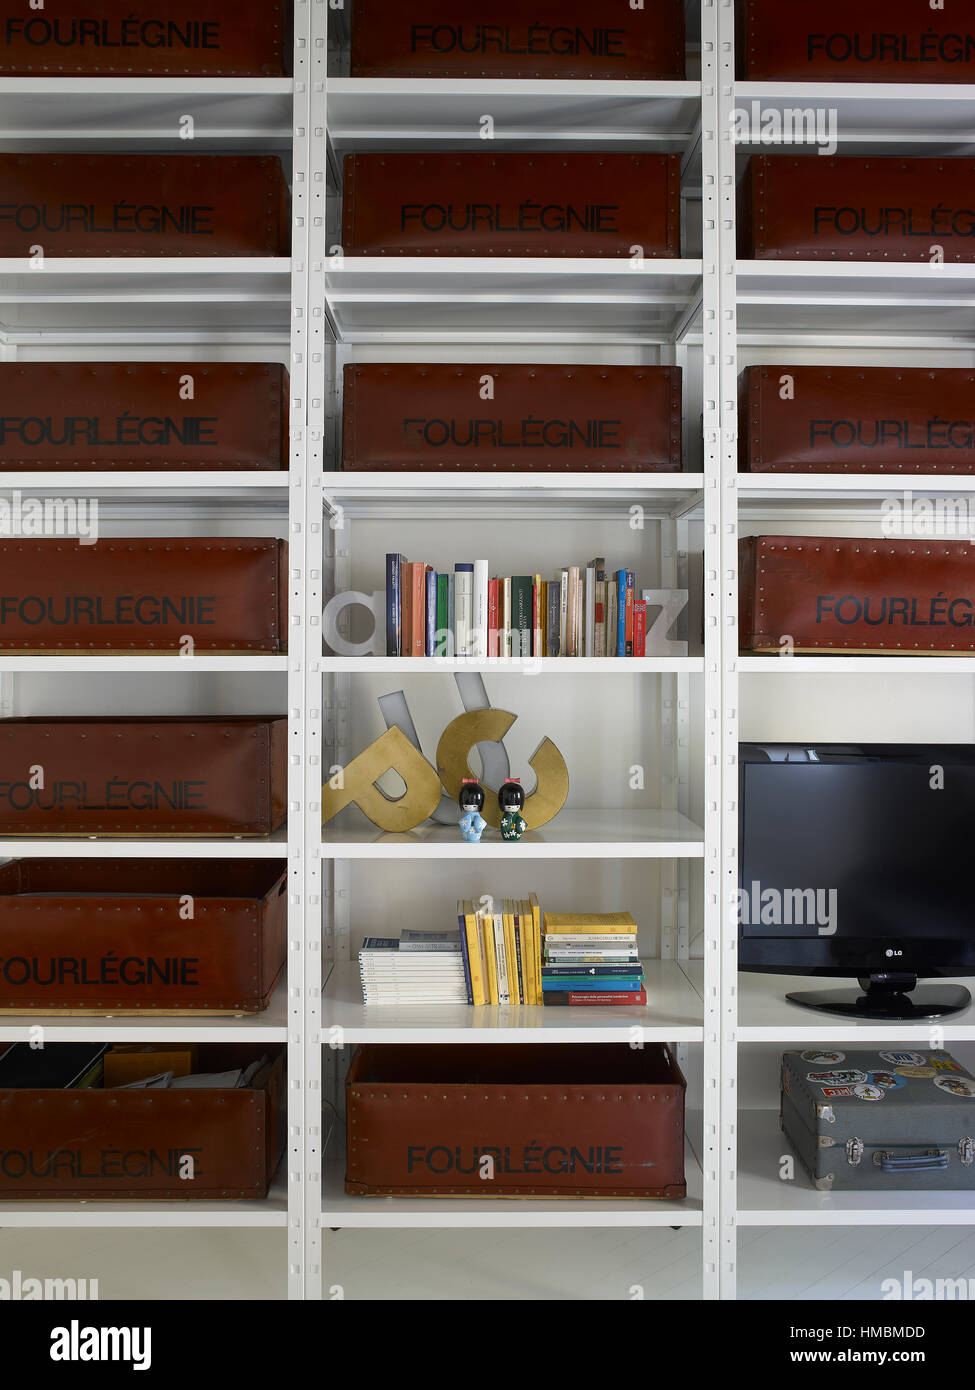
[721, 646]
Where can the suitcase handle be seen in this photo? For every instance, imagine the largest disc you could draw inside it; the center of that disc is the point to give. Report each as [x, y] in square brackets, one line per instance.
[910, 1163]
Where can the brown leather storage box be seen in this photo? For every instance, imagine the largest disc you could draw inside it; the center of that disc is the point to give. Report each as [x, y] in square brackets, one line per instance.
[143, 205]
[429, 416]
[511, 204]
[869, 41]
[157, 775]
[184, 38]
[132, 416]
[118, 1144]
[851, 209]
[116, 934]
[557, 1121]
[501, 38]
[229, 594]
[908, 597]
[856, 420]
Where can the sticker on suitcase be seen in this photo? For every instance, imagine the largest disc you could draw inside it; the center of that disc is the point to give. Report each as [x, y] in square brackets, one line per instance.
[833, 1091]
[825, 1059]
[836, 1078]
[886, 1080]
[904, 1059]
[956, 1086]
[867, 1091]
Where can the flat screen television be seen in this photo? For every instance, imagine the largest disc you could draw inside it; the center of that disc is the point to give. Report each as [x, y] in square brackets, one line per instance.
[857, 860]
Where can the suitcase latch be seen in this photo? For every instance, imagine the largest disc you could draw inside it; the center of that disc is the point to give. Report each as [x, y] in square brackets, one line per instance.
[854, 1151]
[966, 1151]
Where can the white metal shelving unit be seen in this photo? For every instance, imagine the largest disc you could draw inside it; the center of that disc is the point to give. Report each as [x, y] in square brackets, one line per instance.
[676, 852]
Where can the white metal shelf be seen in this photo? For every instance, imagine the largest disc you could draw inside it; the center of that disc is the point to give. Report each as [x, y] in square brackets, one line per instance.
[673, 1013]
[541, 665]
[765, 1015]
[139, 663]
[270, 487]
[850, 664]
[789, 299]
[108, 847]
[764, 1199]
[416, 495]
[879, 118]
[269, 1026]
[271, 1210]
[508, 298]
[571, 835]
[340, 1210]
[118, 298]
[54, 113]
[416, 114]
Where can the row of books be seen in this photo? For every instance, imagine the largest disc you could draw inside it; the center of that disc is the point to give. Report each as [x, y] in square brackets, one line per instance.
[501, 954]
[584, 611]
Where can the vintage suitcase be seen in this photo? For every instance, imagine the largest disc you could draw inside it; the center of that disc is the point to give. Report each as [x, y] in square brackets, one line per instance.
[897, 1120]
[131, 935]
[812, 419]
[470, 38]
[553, 1121]
[570, 419]
[850, 209]
[144, 593]
[155, 775]
[133, 1144]
[511, 205]
[143, 205]
[837, 593]
[136, 416]
[870, 41]
[109, 38]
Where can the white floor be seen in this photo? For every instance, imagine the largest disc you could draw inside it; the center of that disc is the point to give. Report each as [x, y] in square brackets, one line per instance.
[807, 1263]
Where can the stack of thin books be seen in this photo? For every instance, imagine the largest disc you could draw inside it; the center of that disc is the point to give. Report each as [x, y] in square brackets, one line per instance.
[591, 958]
[414, 968]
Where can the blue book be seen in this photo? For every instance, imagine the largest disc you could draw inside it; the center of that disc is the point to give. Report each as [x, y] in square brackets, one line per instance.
[621, 612]
[579, 972]
[585, 986]
[630, 587]
[431, 626]
[394, 603]
[466, 958]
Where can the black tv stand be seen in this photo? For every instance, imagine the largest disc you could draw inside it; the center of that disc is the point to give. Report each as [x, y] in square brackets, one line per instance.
[887, 996]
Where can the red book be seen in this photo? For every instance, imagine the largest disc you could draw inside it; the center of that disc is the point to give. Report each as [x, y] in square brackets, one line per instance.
[419, 643]
[406, 603]
[492, 648]
[639, 627]
[583, 997]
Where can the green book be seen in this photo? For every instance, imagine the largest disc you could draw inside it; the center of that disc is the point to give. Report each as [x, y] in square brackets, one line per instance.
[440, 639]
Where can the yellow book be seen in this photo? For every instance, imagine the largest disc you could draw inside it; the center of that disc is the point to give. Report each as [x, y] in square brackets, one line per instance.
[490, 964]
[510, 954]
[538, 636]
[527, 924]
[468, 915]
[537, 919]
[589, 923]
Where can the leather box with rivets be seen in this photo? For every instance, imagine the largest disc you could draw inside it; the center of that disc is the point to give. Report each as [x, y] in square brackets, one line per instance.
[848, 209]
[857, 595]
[89, 1144]
[806, 418]
[427, 416]
[110, 38]
[147, 205]
[899, 1119]
[143, 594]
[566, 1121]
[125, 936]
[158, 775]
[551, 39]
[142, 416]
[552, 205]
[871, 41]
